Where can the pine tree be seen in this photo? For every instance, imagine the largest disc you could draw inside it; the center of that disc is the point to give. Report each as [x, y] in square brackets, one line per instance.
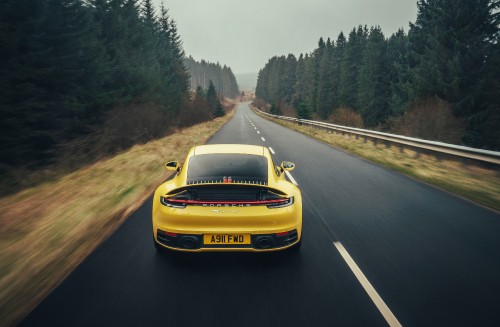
[175, 77]
[289, 78]
[373, 95]
[399, 77]
[351, 63]
[338, 58]
[303, 111]
[451, 43]
[211, 95]
[325, 81]
[309, 82]
[261, 89]
[213, 101]
[219, 111]
[299, 86]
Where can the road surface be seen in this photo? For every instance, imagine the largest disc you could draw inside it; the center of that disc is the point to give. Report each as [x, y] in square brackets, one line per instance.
[379, 249]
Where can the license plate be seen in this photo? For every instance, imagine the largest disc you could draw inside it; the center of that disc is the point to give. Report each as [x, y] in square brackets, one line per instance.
[224, 239]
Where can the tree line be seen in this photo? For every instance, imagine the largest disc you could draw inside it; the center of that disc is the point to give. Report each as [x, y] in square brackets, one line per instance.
[450, 58]
[203, 72]
[89, 77]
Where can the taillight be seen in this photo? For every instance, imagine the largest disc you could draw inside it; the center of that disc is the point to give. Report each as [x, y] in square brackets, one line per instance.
[274, 203]
[285, 202]
[178, 204]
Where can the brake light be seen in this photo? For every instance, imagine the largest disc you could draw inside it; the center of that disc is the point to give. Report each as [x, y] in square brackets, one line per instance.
[178, 204]
[282, 234]
[274, 203]
[281, 203]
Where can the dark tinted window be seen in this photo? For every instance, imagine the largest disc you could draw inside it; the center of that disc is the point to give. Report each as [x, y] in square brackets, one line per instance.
[240, 167]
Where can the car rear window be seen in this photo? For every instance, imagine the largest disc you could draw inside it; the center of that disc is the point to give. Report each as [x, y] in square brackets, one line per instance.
[238, 167]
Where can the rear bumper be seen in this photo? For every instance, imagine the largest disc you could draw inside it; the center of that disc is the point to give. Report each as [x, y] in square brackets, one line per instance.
[258, 243]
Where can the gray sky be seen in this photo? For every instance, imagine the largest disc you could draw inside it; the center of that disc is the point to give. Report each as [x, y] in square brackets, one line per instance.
[245, 34]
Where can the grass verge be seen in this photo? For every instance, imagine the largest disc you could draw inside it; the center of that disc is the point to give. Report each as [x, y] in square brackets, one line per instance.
[471, 182]
[47, 230]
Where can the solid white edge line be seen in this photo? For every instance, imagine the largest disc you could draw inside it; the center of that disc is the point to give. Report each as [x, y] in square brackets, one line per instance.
[272, 151]
[263, 139]
[372, 293]
[290, 177]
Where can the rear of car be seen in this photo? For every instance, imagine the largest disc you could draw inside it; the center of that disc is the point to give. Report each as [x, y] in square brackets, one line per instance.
[227, 198]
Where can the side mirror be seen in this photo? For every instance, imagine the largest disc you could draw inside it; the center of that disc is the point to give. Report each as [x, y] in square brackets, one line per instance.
[287, 166]
[172, 165]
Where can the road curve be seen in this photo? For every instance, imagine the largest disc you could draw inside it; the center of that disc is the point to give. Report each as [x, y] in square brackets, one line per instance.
[433, 259]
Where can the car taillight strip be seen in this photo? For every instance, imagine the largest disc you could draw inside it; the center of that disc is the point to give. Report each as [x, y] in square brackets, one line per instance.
[257, 202]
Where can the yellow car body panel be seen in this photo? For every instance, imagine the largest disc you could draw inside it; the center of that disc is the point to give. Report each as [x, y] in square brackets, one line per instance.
[225, 217]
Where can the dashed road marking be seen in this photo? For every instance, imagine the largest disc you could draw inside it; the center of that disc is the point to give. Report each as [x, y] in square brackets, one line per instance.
[372, 293]
[370, 290]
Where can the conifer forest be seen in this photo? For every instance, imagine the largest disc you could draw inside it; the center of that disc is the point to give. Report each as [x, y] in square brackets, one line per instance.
[438, 78]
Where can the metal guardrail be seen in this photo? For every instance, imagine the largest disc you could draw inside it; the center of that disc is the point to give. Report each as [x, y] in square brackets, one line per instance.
[437, 148]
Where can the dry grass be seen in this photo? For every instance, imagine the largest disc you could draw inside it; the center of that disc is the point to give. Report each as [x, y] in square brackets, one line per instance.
[46, 231]
[474, 183]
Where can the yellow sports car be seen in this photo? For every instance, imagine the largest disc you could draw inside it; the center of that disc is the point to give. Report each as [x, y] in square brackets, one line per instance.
[228, 197]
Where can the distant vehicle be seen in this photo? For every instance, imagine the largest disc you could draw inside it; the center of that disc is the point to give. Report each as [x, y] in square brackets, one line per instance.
[228, 197]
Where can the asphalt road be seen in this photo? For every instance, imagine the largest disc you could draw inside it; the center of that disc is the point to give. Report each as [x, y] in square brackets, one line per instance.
[433, 258]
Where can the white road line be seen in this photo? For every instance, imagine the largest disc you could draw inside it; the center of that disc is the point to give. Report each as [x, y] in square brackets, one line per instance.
[372, 293]
[255, 127]
[290, 177]
[258, 132]
[263, 139]
[272, 151]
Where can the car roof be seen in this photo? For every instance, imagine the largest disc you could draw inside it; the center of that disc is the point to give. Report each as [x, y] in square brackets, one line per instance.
[229, 148]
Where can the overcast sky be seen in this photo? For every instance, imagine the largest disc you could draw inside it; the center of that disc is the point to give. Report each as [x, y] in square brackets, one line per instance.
[245, 34]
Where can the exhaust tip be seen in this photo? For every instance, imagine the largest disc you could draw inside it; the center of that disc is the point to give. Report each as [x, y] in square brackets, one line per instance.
[264, 242]
[189, 242]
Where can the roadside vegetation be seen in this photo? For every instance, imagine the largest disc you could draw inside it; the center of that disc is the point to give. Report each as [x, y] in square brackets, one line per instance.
[47, 230]
[438, 80]
[475, 183]
[83, 80]
[222, 77]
